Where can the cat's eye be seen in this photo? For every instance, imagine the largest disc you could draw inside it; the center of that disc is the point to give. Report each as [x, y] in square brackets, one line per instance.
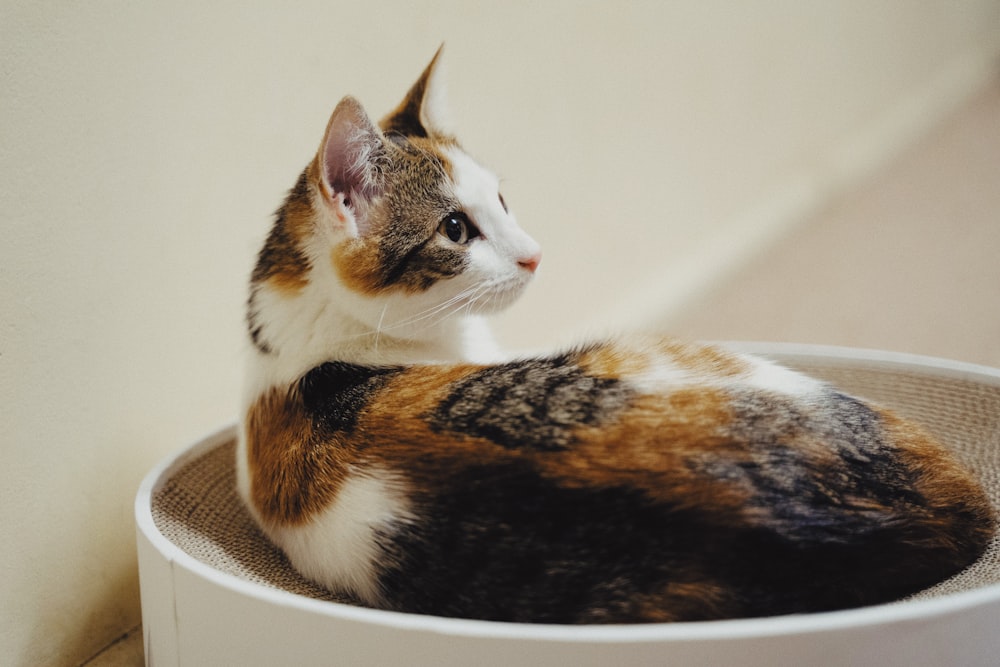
[457, 228]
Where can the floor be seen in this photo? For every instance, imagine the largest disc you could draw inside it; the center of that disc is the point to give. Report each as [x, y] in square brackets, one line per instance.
[909, 263]
[126, 651]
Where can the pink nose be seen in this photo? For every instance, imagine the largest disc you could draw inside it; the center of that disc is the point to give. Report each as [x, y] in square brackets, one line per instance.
[531, 263]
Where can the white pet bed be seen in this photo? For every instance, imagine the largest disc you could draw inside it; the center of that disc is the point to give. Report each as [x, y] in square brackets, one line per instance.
[215, 592]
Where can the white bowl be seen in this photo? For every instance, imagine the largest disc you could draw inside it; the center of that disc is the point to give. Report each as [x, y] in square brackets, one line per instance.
[215, 592]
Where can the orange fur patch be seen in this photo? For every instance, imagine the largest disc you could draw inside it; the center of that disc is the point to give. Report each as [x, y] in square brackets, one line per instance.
[945, 483]
[704, 359]
[634, 357]
[292, 473]
[614, 361]
[357, 263]
[679, 599]
[651, 445]
[289, 282]
[403, 437]
[295, 472]
[282, 262]
[648, 447]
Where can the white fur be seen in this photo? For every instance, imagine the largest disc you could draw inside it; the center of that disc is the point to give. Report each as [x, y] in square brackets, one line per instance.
[478, 190]
[662, 375]
[494, 278]
[338, 548]
[659, 374]
[435, 113]
[772, 377]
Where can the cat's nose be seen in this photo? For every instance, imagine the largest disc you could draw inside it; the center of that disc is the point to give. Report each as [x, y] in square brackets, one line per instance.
[531, 263]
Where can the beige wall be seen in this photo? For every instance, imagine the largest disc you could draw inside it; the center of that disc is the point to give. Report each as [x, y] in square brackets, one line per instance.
[648, 146]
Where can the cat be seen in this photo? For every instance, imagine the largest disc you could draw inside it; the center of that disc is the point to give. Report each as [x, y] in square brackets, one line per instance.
[396, 456]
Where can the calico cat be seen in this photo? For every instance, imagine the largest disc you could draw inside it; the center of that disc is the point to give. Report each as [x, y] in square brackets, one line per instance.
[395, 456]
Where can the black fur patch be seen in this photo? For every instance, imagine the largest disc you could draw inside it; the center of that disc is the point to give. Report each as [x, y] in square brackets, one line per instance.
[257, 337]
[529, 404]
[405, 122]
[420, 266]
[281, 253]
[429, 264]
[822, 493]
[501, 542]
[336, 392]
[255, 328]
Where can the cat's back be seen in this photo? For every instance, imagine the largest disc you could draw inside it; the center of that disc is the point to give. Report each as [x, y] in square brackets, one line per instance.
[700, 482]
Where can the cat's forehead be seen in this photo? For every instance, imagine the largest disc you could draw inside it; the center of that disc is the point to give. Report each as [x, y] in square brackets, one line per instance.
[472, 182]
[447, 166]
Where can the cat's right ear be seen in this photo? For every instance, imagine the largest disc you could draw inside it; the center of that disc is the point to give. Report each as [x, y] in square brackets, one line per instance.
[424, 110]
[351, 162]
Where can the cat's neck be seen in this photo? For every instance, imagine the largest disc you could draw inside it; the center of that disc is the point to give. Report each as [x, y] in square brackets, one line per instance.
[298, 332]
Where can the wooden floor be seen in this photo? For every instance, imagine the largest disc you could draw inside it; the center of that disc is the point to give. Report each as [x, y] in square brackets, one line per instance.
[909, 263]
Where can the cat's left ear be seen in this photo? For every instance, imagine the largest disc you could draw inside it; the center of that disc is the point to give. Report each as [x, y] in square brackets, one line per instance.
[424, 110]
[351, 163]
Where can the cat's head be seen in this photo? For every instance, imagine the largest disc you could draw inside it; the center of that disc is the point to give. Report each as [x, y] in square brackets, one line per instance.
[398, 220]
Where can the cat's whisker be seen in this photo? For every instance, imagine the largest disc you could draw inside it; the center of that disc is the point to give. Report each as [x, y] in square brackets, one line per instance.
[467, 300]
[463, 302]
[423, 315]
[381, 328]
[378, 326]
[444, 310]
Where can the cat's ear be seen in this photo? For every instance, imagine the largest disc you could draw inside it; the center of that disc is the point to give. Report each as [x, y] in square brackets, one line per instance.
[424, 110]
[351, 162]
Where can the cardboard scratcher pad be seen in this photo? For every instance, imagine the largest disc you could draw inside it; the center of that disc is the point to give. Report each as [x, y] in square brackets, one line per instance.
[198, 510]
